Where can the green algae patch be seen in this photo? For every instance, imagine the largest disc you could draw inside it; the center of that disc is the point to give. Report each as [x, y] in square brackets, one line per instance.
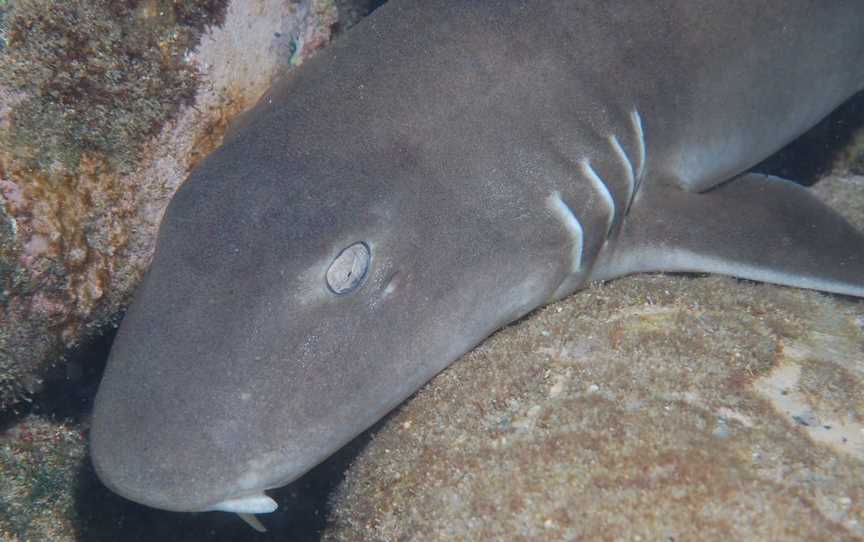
[98, 77]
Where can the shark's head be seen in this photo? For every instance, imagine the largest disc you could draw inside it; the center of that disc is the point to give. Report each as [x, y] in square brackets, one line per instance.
[295, 298]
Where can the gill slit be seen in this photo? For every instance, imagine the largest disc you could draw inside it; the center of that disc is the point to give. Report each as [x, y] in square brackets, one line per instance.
[572, 226]
[601, 188]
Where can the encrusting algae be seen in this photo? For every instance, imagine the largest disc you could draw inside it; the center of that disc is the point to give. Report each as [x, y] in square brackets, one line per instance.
[104, 108]
[84, 85]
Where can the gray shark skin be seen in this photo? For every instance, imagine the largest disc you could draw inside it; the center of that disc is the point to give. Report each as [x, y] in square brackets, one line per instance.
[477, 160]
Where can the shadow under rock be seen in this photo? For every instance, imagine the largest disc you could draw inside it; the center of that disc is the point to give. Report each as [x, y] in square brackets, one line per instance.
[352, 11]
[812, 155]
[68, 389]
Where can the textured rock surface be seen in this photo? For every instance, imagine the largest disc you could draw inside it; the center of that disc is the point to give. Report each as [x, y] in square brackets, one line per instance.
[652, 407]
[104, 108]
[844, 193]
[39, 464]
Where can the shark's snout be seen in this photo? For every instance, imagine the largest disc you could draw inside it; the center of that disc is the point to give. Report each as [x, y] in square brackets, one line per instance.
[159, 485]
[166, 489]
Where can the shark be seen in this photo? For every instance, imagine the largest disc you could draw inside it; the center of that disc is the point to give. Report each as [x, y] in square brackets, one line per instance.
[438, 172]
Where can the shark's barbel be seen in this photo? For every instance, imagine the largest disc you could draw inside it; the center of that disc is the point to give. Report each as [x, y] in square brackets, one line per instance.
[440, 171]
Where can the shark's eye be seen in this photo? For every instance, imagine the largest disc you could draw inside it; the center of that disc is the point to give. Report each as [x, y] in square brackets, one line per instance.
[349, 269]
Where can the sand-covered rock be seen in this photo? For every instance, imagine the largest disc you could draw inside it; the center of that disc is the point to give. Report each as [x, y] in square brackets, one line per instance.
[649, 408]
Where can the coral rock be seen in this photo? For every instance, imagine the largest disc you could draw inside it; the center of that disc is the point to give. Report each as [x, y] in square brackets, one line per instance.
[104, 108]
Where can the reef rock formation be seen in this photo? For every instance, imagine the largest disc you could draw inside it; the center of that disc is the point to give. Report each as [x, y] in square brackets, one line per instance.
[104, 108]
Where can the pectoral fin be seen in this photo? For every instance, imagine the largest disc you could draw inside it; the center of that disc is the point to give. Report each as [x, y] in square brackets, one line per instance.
[754, 227]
